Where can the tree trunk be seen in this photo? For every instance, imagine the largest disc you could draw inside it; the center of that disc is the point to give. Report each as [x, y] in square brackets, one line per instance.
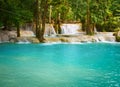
[37, 19]
[50, 14]
[44, 8]
[18, 30]
[83, 25]
[59, 29]
[89, 30]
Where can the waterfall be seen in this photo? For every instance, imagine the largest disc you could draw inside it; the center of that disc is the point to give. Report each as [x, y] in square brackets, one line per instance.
[70, 28]
[27, 30]
[95, 30]
[27, 33]
[49, 30]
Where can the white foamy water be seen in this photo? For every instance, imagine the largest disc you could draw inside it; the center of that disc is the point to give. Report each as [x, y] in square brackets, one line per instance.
[70, 28]
[49, 30]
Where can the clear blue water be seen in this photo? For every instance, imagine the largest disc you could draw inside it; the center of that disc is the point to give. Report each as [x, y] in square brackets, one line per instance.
[60, 65]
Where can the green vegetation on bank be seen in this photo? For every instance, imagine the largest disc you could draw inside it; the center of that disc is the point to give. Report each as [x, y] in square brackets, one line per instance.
[102, 14]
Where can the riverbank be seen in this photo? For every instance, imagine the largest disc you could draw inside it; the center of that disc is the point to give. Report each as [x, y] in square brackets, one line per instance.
[99, 37]
[29, 37]
[11, 36]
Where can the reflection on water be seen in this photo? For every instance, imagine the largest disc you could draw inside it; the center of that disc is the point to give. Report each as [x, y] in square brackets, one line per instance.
[60, 65]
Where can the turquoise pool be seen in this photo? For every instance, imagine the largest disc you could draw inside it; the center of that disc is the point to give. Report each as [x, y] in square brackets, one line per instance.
[60, 65]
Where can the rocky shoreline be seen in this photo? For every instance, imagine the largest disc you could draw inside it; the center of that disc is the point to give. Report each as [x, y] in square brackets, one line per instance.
[101, 37]
[10, 36]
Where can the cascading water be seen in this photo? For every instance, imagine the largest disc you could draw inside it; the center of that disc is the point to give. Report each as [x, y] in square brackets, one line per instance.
[70, 28]
[27, 30]
[49, 30]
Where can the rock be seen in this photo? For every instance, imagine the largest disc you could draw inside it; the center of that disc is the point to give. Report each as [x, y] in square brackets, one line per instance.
[27, 40]
[101, 39]
[12, 34]
[63, 39]
[95, 39]
[0, 40]
[27, 33]
[110, 38]
[52, 39]
[33, 40]
[4, 38]
[22, 39]
[13, 40]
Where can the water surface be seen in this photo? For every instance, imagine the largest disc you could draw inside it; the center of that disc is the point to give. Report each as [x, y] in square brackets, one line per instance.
[60, 65]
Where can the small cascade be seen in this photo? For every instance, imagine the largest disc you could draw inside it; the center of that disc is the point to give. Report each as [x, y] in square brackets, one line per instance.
[27, 33]
[49, 30]
[95, 30]
[105, 37]
[70, 28]
[23, 40]
[27, 30]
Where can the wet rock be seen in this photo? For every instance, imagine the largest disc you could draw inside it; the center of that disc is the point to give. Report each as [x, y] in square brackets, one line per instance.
[52, 39]
[4, 38]
[6, 35]
[27, 40]
[63, 39]
[110, 38]
[13, 40]
[21, 39]
[12, 34]
[101, 39]
[0, 40]
[33, 40]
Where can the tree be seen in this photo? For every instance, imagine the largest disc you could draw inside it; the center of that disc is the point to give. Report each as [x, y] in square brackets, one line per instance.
[40, 18]
[14, 13]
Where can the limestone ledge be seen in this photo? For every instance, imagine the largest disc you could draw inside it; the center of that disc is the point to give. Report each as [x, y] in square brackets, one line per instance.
[83, 39]
[10, 36]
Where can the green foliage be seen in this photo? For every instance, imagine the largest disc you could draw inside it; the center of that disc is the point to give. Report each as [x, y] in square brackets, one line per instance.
[13, 12]
[105, 14]
[118, 38]
[63, 7]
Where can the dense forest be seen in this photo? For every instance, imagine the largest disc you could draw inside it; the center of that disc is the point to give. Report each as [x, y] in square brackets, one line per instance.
[102, 14]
